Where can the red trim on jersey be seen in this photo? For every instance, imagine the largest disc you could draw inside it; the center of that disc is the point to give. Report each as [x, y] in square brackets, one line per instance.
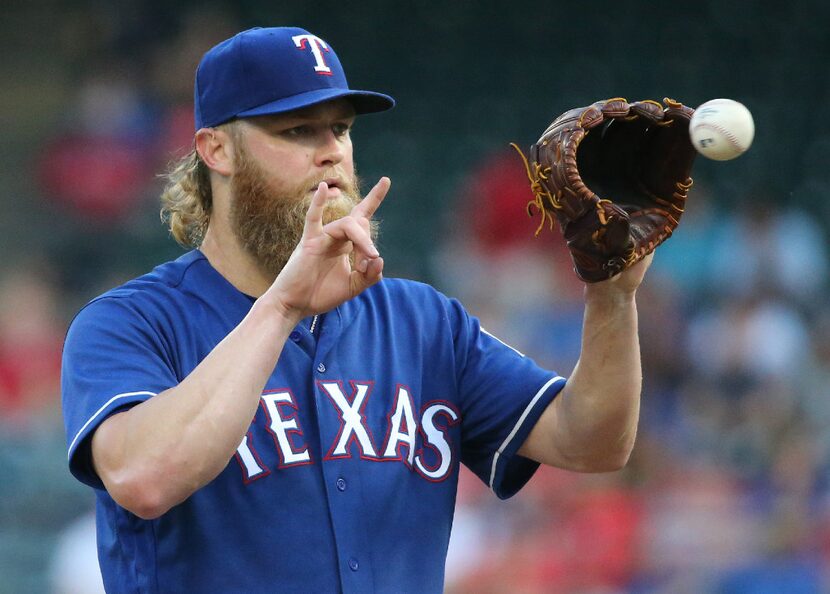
[246, 478]
[400, 457]
[293, 404]
[426, 444]
[353, 437]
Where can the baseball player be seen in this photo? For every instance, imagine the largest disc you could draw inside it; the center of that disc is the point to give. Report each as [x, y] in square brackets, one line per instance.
[267, 413]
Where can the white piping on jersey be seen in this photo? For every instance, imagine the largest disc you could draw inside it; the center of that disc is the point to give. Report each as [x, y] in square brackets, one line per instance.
[313, 324]
[516, 427]
[494, 337]
[99, 411]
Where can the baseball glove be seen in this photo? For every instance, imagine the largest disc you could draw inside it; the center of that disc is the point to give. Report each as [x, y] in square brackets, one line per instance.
[615, 175]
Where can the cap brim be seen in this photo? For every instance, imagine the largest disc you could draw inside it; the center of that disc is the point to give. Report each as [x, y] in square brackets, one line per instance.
[363, 101]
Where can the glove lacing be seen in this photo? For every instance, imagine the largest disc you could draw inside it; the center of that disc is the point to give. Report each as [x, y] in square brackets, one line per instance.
[537, 174]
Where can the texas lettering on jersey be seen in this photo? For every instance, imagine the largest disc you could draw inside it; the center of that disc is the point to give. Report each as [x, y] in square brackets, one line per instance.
[422, 442]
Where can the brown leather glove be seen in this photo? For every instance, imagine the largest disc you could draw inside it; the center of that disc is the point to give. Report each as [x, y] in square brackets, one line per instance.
[615, 175]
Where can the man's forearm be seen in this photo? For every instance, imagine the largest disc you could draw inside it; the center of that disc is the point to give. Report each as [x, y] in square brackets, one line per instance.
[158, 453]
[591, 425]
[600, 404]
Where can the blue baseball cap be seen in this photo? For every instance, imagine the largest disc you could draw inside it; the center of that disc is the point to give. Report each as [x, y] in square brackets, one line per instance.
[273, 70]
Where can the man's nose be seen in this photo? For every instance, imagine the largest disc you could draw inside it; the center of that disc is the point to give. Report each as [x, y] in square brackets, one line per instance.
[331, 150]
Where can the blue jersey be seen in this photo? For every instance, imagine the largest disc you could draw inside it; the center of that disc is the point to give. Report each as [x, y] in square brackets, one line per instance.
[346, 479]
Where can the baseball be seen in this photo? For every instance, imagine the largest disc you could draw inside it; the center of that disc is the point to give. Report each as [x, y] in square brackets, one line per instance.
[722, 129]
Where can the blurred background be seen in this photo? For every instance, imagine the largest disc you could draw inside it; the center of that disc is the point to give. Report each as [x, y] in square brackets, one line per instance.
[727, 490]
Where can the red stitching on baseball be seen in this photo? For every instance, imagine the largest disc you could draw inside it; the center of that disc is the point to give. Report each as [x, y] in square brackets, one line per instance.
[729, 136]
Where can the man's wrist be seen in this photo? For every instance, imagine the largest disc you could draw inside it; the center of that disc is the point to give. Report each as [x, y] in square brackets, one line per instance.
[605, 294]
[277, 310]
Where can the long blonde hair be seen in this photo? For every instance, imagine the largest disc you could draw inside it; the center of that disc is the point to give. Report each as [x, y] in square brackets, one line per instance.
[187, 200]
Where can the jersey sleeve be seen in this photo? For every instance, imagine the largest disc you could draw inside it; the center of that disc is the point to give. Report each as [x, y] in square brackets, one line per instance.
[503, 393]
[113, 359]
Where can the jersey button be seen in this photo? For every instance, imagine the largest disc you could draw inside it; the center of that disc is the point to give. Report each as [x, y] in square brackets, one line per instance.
[353, 564]
[321, 368]
[341, 484]
[295, 336]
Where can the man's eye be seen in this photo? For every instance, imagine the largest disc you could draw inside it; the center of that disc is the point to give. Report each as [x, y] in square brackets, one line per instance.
[341, 129]
[297, 131]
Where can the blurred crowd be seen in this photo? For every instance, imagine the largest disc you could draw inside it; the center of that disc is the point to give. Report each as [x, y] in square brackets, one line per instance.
[728, 489]
[94, 184]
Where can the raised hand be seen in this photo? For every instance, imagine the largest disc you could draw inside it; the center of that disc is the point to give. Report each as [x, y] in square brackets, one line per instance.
[333, 262]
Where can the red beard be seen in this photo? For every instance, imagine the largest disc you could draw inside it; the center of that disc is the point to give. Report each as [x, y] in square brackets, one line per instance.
[269, 221]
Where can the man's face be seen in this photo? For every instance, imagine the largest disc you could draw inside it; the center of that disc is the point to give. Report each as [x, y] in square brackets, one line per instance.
[280, 160]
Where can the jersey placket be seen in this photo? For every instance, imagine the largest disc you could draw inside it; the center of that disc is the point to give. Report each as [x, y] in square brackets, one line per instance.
[304, 336]
[341, 475]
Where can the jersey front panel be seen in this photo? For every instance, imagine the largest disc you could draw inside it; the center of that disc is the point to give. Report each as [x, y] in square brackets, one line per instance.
[347, 476]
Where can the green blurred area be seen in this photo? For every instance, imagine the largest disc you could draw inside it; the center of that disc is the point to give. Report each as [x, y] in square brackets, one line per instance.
[469, 77]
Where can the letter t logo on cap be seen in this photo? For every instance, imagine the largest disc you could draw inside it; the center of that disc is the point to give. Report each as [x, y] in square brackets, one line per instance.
[316, 44]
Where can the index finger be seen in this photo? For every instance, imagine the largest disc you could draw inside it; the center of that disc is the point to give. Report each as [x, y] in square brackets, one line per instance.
[314, 215]
[367, 207]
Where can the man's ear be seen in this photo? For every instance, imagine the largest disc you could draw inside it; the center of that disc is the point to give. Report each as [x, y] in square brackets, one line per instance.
[215, 147]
